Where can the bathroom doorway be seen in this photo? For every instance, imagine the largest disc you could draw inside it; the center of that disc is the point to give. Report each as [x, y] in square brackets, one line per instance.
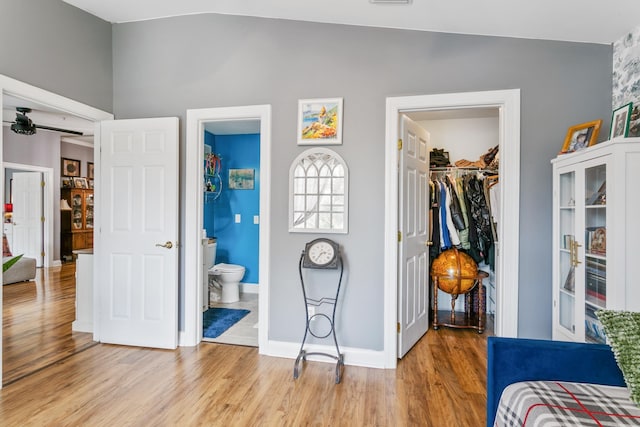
[216, 207]
[231, 226]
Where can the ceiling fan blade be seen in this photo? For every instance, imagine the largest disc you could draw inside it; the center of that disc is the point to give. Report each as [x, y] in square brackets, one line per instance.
[73, 132]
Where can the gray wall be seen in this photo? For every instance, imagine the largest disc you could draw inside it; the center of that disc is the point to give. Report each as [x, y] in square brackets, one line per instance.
[164, 67]
[57, 47]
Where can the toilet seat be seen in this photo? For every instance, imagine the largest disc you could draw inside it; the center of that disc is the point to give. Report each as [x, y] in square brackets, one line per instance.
[226, 268]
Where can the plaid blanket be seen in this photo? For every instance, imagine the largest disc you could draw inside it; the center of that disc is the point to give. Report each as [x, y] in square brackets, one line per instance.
[554, 403]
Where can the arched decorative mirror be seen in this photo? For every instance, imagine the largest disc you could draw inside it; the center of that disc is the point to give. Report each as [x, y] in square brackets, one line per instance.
[318, 192]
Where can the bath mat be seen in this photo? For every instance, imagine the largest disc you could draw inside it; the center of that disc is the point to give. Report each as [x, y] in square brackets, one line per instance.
[217, 320]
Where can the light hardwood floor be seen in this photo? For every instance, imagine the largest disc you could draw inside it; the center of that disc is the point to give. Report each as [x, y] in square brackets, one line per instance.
[441, 382]
[36, 322]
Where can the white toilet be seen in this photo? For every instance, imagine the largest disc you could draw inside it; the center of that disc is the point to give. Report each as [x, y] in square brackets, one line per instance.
[227, 276]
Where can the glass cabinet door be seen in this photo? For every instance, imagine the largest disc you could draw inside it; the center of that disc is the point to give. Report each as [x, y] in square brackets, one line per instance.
[88, 210]
[568, 255]
[595, 250]
[76, 211]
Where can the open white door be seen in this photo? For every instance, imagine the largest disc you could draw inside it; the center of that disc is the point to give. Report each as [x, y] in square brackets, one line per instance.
[137, 246]
[27, 215]
[413, 298]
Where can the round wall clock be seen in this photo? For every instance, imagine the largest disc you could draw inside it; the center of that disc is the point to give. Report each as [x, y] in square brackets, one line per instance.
[321, 253]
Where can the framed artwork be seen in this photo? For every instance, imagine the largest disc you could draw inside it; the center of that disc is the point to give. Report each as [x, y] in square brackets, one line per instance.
[90, 170]
[80, 183]
[581, 136]
[320, 121]
[241, 179]
[90, 183]
[70, 167]
[66, 182]
[620, 121]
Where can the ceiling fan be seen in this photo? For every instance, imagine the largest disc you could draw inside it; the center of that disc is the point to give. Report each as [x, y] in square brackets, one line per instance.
[23, 125]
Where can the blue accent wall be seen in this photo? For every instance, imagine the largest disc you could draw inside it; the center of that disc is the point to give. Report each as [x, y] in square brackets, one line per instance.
[237, 242]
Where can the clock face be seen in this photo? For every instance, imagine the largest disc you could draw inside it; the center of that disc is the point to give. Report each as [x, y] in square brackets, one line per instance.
[321, 253]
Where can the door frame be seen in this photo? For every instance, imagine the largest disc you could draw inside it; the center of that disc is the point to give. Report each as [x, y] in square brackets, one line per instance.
[47, 207]
[508, 103]
[196, 118]
[25, 91]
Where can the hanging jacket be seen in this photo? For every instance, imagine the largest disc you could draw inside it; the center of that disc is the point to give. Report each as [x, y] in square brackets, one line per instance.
[464, 234]
[454, 207]
[435, 216]
[481, 216]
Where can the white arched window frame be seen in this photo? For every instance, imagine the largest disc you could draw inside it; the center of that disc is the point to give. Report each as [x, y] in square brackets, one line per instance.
[319, 192]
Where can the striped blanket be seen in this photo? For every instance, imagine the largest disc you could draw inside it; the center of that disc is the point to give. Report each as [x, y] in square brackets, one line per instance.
[554, 403]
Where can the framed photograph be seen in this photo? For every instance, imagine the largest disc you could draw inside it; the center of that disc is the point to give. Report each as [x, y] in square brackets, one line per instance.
[620, 121]
[241, 179]
[634, 122]
[66, 182]
[320, 121]
[90, 181]
[581, 136]
[90, 170]
[70, 167]
[80, 183]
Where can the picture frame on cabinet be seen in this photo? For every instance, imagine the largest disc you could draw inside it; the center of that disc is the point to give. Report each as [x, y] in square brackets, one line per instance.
[634, 122]
[581, 136]
[620, 120]
[320, 121]
[70, 167]
[80, 183]
[66, 182]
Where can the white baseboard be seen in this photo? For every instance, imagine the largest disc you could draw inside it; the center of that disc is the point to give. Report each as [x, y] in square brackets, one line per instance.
[249, 288]
[352, 356]
[56, 263]
[78, 326]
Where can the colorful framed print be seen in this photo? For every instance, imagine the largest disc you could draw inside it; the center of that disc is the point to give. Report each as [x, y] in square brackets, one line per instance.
[581, 136]
[320, 121]
[620, 121]
[70, 167]
[241, 179]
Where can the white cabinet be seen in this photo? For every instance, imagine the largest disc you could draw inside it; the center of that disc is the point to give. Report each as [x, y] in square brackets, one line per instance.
[596, 231]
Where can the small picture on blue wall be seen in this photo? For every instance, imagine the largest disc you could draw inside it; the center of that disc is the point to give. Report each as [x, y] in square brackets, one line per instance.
[241, 179]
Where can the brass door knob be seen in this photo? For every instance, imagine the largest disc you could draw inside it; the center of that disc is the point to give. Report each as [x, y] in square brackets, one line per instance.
[167, 245]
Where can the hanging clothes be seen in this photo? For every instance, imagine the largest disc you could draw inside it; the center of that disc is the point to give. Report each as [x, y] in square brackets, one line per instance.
[480, 217]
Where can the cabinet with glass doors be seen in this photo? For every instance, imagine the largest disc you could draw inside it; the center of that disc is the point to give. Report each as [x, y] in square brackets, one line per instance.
[594, 193]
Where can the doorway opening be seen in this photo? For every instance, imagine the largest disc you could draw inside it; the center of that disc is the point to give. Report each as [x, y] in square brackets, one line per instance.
[249, 120]
[47, 226]
[508, 104]
[14, 89]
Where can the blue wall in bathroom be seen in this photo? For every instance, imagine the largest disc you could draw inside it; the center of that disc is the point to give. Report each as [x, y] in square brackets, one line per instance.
[237, 242]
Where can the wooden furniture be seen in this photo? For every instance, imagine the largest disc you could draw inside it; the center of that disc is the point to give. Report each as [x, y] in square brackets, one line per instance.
[472, 320]
[76, 225]
[595, 236]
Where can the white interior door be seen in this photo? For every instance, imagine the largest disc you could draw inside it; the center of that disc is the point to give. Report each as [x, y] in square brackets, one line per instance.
[413, 298]
[27, 215]
[138, 249]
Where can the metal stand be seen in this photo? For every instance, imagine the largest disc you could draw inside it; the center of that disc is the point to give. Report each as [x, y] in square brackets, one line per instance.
[302, 355]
